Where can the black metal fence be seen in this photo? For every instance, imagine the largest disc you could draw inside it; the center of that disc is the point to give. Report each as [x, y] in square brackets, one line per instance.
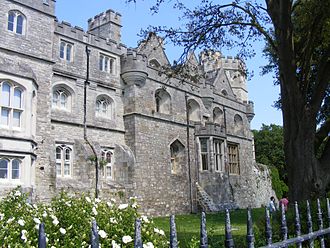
[297, 240]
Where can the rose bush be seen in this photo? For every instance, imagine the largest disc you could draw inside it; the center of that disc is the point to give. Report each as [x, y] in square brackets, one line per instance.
[68, 222]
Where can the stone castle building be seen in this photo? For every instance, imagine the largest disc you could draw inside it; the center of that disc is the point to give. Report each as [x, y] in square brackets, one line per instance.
[175, 143]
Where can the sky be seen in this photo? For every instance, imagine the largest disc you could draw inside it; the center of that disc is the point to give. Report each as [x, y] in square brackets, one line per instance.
[138, 16]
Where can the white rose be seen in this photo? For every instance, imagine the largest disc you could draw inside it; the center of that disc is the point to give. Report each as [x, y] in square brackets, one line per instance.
[122, 206]
[127, 239]
[62, 230]
[36, 220]
[21, 222]
[103, 234]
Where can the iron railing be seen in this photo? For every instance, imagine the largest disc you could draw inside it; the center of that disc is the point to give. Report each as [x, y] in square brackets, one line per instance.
[298, 238]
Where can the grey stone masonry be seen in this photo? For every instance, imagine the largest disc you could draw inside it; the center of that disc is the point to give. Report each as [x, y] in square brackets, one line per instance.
[176, 144]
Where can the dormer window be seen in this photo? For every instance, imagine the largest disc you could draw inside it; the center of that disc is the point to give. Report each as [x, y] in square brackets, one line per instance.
[16, 22]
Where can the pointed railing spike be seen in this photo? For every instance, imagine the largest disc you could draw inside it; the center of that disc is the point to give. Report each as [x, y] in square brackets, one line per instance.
[309, 224]
[320, 222]
[328, 209]
[229, 242]
[137, 236]
[284, 228]
[173, 235]
[268, 228]
[42, 236]
[297, 223]
[203, 240]
[249, 231]
[94, 235]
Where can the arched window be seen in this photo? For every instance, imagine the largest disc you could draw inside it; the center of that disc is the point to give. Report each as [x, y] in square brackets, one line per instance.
[62, 98]
[154, 63]
[163, 101]
[104, 107]
[238, 124]
[218, 116]
[107, 157]
[16, 22]
[10, 169]
[63, 156]
[194, 111]
[66, 51]
[177, 155]
[11, 104]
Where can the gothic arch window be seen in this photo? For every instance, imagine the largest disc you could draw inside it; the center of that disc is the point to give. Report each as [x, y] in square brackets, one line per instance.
[107, 157]
[11, 104]
[238, 124]
[177, 155]
[163, 101]
[104, 107]
[62, 98]
[63, 156]
[224, 92]
[16, 22]
[218, 116]
[194, 111]
[10, 169]
[154, 63]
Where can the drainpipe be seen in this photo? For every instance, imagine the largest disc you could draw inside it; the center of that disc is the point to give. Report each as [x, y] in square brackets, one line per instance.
[88, 51]
[188, 151]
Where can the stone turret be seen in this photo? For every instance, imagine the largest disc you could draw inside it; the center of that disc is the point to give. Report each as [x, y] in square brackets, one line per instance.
[234, 69]
[134, 68]
[249, 110]
[107, 25]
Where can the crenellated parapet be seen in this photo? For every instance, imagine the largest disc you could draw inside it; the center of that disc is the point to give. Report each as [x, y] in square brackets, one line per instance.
[106, 24]
[78, 33]
[215, 60]
[134, 68]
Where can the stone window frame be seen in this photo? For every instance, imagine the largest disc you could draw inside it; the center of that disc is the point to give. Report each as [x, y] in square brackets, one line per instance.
[9, 169]
[62, 104]
[204, 153]
[219, 154]
[154, 63]
[8, 106]
[105, 107]
[13, 24]
[107, 155]
[176, 149]
[64, 165]
[194, 110]
[162, 97]
[66, 50]
[107, 63]
[233, 158]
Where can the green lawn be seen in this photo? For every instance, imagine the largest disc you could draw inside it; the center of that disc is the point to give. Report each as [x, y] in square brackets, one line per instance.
[188, 226]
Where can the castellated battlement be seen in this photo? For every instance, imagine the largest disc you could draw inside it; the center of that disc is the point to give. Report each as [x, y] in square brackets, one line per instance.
[104, 18]
[215, 60]
[78, 33]
[40, 5]
[107, 24]
[134, 67]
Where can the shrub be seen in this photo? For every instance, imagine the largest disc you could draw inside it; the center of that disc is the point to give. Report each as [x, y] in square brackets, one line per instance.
[68, 222]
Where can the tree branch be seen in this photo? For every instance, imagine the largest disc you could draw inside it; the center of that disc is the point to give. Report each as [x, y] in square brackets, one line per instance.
[322, 133]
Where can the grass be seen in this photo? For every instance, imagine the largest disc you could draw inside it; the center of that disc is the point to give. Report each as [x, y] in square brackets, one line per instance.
[188, 227]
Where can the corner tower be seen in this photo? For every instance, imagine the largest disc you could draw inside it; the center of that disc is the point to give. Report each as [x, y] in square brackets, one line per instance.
[107, 25]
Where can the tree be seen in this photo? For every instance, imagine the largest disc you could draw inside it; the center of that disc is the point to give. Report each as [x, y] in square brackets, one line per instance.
[268, 142]
[297, 35]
